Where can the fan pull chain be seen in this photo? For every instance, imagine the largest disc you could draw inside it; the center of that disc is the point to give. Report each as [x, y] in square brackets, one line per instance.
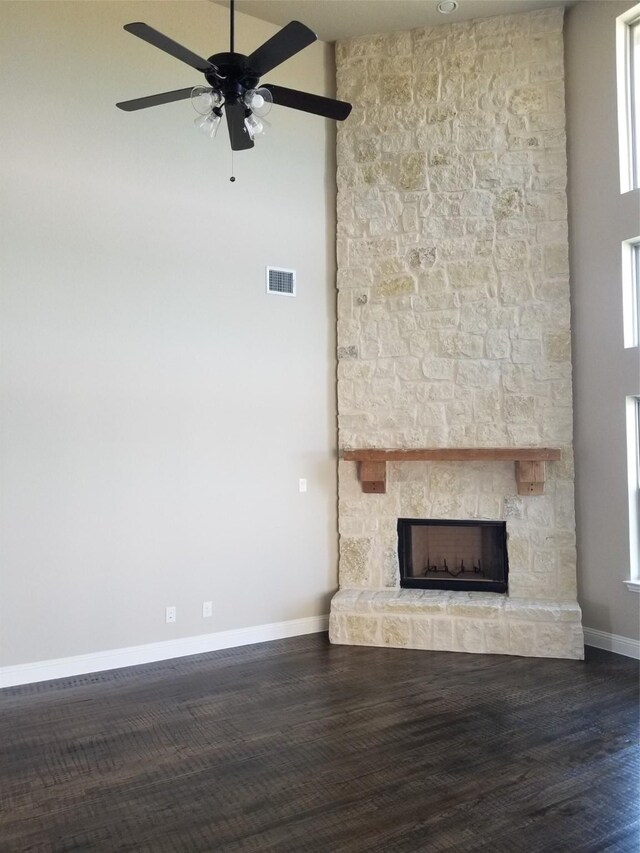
[232, 178]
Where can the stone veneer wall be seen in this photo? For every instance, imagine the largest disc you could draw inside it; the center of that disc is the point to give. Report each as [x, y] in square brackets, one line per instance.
[454, 322]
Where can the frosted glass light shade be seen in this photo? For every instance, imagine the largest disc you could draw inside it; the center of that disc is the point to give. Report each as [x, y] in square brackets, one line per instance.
[208, 124]
[204, 99]
[256, 126]
[259, 101]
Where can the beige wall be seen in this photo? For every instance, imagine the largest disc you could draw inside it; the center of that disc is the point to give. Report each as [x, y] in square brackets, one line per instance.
[604, 373]
[158, 408]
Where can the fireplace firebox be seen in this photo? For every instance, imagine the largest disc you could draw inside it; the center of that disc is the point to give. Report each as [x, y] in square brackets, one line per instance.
[455, 555]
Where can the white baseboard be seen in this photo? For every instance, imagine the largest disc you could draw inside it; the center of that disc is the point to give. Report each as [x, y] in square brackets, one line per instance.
[28, 673]
[612, 643]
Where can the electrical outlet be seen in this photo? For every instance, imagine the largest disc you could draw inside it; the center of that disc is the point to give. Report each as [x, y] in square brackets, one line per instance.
[302, 485]
[170, 615]
[207, 609]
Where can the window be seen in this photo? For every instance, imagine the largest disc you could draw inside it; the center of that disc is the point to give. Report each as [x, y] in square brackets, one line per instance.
[633, 460]
[628, 69]
[634, 106]
[628, 50]
[630, 292]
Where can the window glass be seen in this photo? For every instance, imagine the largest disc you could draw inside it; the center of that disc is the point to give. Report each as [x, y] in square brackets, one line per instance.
[634, 95]
[633, 460]
[628, 73]
[630, 292]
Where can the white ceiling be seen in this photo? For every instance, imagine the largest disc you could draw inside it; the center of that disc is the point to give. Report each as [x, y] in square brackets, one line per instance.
[341, 19]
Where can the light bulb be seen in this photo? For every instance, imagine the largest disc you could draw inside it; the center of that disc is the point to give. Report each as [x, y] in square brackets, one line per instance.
[209, 124]
[259, 101]
[256, 126]
[265, 127]
[204, 99]
[253, 126]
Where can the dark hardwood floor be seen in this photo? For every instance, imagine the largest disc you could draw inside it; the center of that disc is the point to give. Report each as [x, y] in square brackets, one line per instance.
[297, 745]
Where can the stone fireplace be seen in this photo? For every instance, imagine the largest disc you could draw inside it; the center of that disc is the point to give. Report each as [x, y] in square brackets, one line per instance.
[454, 330]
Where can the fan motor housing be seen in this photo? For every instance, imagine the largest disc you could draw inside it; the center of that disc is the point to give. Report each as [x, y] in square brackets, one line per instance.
[231, 66]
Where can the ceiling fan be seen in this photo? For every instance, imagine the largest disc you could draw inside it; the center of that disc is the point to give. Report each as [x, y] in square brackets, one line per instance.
[233, 80]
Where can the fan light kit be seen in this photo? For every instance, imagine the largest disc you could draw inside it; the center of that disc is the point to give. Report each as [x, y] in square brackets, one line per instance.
[234, 84]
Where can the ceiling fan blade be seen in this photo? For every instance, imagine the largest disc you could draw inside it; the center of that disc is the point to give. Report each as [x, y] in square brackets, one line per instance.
[159, 40]
[154, 100]
[308, 103]
[238, 133]
[289, 41]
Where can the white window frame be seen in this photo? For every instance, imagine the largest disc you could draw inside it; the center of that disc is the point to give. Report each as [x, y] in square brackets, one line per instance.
[628, 62]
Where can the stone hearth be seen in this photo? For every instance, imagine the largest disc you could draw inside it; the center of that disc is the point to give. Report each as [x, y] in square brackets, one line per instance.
[456, 621]
[454, 325]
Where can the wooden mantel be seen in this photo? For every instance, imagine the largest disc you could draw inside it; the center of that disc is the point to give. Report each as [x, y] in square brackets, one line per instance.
[529, 463]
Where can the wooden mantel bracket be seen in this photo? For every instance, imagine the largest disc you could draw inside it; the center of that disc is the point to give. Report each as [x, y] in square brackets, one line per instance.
[530, 477]
[530, 471]
[373, 477]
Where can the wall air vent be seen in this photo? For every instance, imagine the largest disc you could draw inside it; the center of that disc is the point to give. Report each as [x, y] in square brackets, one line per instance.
[280, 281]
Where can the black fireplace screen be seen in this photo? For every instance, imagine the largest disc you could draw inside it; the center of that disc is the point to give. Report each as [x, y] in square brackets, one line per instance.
[462, 555]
